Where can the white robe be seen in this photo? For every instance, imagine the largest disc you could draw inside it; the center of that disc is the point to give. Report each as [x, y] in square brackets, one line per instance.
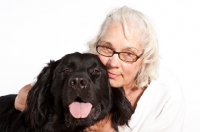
[161, 108]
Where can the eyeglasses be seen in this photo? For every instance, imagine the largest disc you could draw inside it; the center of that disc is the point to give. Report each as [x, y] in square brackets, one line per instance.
[124, 56]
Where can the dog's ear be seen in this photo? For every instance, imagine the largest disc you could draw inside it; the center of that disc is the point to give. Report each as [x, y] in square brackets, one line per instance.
[39, 97]
[122, 108]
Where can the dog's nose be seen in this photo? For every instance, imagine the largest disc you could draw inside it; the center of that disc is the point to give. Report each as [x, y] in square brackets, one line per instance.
[79, 82]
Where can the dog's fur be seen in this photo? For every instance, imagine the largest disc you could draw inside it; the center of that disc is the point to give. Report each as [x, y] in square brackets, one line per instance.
[75, 77]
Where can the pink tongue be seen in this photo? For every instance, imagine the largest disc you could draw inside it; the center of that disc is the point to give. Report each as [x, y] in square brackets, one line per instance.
[80, 110]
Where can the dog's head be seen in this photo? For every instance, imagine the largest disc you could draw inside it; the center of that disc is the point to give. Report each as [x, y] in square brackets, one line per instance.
[81, 88]
[74, 92]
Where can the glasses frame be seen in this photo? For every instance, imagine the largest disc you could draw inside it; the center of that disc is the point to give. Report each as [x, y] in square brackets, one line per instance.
[115, 52]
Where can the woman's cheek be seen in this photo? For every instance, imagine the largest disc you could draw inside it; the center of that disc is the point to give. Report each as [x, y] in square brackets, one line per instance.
[103, 59]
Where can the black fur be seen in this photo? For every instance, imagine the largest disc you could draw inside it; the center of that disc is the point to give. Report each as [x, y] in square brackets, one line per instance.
[75, 77]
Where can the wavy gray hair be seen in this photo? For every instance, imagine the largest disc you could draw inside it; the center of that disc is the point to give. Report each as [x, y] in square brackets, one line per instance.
[134, 21]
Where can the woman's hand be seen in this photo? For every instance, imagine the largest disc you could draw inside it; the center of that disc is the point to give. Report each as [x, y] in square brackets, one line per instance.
[20, 100]
[101, 126]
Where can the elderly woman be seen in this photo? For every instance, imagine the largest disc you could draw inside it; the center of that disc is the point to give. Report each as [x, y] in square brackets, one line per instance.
[127, 45]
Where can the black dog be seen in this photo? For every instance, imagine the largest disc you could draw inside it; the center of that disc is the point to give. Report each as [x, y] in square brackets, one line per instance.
[70, 95]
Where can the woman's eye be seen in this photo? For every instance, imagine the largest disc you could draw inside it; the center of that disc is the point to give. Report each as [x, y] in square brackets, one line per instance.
[129, 54]
[66, 70]
[106, 48]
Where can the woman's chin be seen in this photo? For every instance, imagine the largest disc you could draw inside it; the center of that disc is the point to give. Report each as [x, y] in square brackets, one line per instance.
[115, 83]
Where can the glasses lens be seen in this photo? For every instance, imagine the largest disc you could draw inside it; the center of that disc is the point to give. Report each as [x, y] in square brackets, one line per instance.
[103, 50]
[126, 56]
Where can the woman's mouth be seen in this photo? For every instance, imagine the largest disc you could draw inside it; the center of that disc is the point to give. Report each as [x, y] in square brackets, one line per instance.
[112, 76]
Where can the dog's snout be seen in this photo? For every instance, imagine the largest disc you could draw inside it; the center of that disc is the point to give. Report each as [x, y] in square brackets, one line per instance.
[78, 82]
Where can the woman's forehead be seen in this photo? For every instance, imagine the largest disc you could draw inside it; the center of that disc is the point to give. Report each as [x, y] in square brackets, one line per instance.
[120, 46]
[114, 35]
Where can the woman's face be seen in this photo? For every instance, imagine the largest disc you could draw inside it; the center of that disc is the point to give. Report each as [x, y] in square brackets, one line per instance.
[121, 73]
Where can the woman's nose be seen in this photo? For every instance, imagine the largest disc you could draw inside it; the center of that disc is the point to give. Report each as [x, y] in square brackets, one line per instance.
[114, 61]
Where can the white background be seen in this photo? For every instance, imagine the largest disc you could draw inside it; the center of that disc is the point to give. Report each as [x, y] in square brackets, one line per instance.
[33, 32]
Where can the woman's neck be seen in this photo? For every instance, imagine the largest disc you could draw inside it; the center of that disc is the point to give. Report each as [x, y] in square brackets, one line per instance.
[134, 94]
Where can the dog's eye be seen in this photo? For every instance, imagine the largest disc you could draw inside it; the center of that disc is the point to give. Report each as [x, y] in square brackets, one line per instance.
[66, 70]
[95, 71]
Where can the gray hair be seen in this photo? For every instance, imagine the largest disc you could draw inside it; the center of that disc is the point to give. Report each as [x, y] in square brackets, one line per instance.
[134, 21]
